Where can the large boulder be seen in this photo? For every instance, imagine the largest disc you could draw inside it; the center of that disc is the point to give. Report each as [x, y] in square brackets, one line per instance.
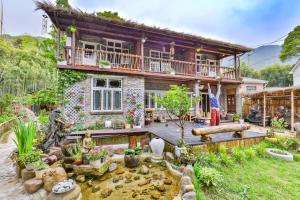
[52, 176]
[27, 174]
[88, 170]
[33, 185]
[188, 171]
[71, 195]
[189, 196]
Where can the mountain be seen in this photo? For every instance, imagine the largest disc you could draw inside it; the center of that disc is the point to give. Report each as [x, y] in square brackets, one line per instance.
[265, 56]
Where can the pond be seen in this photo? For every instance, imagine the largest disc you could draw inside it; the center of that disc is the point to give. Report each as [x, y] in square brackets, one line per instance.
[156, 182]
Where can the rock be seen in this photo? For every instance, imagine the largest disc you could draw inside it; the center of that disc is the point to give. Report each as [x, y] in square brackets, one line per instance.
[53, 176]
[147, 160]
[33, 185]
[188, 171]
[72, 195]
[128, 181]
[57, 152]
[115, 179]
[156, 176]
[95, 188]
[120, 171]
[128, 176]
[118, 187]
[90, 183]
[181, 168]
[168, 181]
[185, 180]
[132, 170]
[155, 195]
[39, 173]
[69, 160]
[40, 194]
[27, 174]
[134, 195]
[144, 169]
[119, 151]
[112, 167]
[136, 178]
[169, 156]
[144, 182]
[89, 170]
[70, 174]
[51, 159]
[80, 178]
[189, 196]
[161, 187]
[106, 192]
[187, 188]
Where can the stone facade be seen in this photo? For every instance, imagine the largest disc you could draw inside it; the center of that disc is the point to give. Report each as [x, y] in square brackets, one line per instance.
[129, 83]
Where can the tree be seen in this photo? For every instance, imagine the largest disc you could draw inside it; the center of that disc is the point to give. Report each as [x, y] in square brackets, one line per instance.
[63, 3]
[177, 103]
[247, 71]
[110, 15]
[291, 45]
[277, 75]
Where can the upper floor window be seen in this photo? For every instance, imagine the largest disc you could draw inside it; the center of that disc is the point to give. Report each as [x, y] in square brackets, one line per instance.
[106, 94]
[250, 87]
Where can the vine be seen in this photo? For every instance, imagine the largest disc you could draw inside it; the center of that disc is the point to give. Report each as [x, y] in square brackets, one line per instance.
[69, 77]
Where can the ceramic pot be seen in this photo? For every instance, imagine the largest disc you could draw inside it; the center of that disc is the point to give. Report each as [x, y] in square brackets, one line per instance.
[78, 162]
[107, 124]
[95, 163]
[139, 126]
[157, 146]
[131, 161]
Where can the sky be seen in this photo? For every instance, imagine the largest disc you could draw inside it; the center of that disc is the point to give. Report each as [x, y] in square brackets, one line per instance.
[246, 22]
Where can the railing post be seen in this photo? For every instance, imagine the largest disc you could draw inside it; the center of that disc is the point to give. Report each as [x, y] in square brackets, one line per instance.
[73, 49]
[143, 40]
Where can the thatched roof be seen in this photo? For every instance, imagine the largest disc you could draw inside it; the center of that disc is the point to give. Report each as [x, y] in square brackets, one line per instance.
[274, 91]
[54, 10]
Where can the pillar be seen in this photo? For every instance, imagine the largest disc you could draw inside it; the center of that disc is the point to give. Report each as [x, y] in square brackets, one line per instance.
[239, 102]
[197, 94]
[73, 49]
[265, 111]
[292, 110]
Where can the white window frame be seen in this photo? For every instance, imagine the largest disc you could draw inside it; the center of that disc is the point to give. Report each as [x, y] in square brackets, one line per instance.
[102, 94]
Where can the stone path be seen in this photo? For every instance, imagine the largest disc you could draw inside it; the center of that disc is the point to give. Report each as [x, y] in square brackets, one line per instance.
[10, 187]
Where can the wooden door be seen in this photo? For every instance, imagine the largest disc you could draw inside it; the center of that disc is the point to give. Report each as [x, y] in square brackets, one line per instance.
[231, 104]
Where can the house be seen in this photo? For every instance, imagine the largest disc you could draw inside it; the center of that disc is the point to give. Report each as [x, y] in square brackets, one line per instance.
[296, 73]
[128, 63]
[252, 85]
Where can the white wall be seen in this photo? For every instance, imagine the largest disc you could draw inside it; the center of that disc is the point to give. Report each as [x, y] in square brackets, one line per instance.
[296, 77]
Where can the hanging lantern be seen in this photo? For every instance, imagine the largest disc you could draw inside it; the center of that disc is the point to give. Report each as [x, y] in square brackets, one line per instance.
[44, 24]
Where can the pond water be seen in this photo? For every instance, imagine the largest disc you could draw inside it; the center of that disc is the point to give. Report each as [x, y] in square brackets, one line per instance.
[126, 184]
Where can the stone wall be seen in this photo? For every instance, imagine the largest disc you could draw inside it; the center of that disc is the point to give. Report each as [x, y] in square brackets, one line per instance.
[129, 83]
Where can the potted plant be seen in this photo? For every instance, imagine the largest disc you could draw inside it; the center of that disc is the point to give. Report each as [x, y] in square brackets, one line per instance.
[129, 119]
[96, 156]
[180, 148]
[132, 157]
[76, 152]
[236, 117]
[104, 64]
[137, 122]
[40, 168]
[30, 159]
[279, 124]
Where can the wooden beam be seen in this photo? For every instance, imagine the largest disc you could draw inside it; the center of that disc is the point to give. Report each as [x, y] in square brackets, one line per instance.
[265, 111]
[142, 54]
[73, 49]
[58, 43]
[292, 111]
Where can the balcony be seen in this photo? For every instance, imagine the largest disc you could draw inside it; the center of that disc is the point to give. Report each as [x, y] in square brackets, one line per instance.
[101, 60]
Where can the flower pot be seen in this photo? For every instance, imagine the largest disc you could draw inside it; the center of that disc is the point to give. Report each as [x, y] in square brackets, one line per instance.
[78, 162]
[107, 124]
[157, 146]
[95, 163]
[30, 166]
[127, 126]
[131, 161]
[179, 151]
[138, 126]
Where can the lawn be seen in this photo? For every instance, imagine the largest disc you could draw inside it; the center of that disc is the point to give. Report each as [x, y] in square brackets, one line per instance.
[260, 178]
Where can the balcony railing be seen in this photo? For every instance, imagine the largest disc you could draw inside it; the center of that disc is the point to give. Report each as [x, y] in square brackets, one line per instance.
[131, 62]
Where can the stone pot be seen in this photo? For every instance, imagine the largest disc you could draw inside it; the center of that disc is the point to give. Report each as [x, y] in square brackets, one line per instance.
[157, 146]
[131, 161]
[95, 163]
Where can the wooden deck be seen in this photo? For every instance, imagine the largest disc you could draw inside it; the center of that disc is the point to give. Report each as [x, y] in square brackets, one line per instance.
[172, 134]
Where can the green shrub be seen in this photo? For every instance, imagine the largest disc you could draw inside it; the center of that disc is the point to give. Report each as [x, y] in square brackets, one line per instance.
[260, 149]
[208, 176]
[238, 155]
[225, 159]
[288, 143]
[296, 157]
[43, 118]
[250, 153]
[25, 135]
[30, 157]
[223, 149]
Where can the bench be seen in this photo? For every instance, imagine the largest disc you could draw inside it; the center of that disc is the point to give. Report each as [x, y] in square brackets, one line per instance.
[205, 131]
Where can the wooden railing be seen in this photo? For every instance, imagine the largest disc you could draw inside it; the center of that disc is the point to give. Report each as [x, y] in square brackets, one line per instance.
[131, 62]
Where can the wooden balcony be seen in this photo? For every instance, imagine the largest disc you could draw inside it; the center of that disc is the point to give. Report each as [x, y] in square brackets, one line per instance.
[99, 60]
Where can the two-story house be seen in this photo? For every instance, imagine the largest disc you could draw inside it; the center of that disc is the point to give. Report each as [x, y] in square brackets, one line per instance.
[128, 63]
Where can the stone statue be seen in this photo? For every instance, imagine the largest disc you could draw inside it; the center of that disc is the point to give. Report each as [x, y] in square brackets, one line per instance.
[87, 142]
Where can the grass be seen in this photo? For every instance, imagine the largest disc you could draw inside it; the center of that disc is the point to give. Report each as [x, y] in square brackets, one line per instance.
[260, 178]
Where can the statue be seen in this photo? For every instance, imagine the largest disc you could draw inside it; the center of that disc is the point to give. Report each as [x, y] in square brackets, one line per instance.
[214, 106]
[87, 142]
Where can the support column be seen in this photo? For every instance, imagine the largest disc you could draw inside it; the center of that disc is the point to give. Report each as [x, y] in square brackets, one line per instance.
[265, 111]
[73, 49]
[292, 110]
[58, 43]
[239, 102]
[197, 94]
[143, 40]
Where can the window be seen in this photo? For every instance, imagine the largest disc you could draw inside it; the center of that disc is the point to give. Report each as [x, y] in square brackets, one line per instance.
[106, 94]
[251, 88]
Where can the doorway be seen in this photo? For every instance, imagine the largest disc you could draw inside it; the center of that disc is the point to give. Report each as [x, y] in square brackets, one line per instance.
[231, 104]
